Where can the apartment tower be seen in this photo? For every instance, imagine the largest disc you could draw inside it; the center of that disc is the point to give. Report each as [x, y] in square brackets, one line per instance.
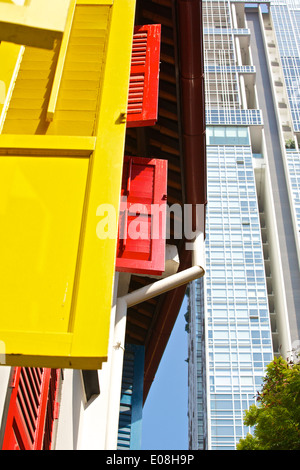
[246, 311]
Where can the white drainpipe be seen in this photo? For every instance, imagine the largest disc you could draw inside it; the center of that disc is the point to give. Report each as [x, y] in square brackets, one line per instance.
[123, 303]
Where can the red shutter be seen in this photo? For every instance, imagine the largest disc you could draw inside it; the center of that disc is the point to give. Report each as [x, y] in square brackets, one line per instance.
[143, 86]
[142, 221]
[28, 413]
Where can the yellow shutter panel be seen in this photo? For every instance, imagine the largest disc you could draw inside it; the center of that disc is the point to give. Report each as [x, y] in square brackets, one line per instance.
[80, 85]
[44, 239]
[77, 103]
[28, 106]
[57, 165]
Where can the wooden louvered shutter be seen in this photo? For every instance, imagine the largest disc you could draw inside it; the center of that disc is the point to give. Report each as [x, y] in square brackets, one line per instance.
[142, 221]
[131, 404]
[31, 412]
[144, 77]
[81, 81]
[64, 160]
[52, 409]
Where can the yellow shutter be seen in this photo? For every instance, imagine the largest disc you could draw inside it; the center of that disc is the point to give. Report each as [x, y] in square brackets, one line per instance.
[77, 103]
[80, 84]
[28, 106]
[56, 275]
[33, 23]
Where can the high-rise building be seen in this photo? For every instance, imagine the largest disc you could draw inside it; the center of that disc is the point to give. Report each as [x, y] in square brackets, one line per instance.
[246, 310]
[102, 129]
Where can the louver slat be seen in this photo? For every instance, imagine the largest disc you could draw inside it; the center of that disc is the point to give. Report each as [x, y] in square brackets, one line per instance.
[131, 404]
[80, 86]
[143, 86]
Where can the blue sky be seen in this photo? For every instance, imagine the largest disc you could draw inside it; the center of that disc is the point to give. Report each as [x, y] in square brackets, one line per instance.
[165, 422]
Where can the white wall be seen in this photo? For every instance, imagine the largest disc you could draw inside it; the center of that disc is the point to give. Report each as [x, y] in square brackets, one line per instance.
[4, 382]
[82, 425]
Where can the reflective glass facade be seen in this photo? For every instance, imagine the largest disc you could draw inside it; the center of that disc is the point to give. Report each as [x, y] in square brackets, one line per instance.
[232, 329]
[286, 20]
[237, 317]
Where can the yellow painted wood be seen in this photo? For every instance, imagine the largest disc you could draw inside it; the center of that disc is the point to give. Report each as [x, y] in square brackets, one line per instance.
[27, 109]
[36, 23]
[61, 62]
[41, 205]
[56, 275]
[38, 348]
[8, 57]
[95, 2]
[83, 71]
[33, 342]
[47, 144]
[98, 256]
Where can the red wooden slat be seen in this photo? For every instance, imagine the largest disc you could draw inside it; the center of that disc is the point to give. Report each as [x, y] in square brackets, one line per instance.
[31, 409]
[12, 441]
[36, 376]
[27, 397]
[9, 440]
[24, 411]
[16, 434]
[52, 409]
[38, 444]
[23, 440]
[142, 109]
[32, 382]
[144, 186]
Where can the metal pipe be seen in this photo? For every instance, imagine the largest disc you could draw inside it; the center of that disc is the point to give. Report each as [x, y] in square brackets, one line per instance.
[123, 303]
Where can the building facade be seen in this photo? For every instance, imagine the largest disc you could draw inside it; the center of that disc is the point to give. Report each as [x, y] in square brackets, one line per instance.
[244, 312]
[98, 134]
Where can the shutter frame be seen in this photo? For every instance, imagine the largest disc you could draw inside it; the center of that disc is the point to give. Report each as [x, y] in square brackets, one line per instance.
[145, 114]
[136, 261]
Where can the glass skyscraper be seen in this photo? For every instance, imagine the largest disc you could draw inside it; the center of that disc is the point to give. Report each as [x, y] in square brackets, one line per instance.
[244, 312]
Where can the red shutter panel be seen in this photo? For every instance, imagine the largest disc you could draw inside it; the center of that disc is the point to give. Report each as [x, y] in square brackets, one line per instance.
[142, 221]
[142, 107]
[28, 409]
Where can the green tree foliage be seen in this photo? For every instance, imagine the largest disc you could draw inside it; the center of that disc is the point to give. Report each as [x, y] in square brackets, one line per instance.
[276, 416]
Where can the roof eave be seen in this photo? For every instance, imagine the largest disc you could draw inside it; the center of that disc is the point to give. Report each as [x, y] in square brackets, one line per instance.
[188, 18]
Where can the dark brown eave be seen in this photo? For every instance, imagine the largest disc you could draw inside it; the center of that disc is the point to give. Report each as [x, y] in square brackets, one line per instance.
[192, 105]
[179, 137]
